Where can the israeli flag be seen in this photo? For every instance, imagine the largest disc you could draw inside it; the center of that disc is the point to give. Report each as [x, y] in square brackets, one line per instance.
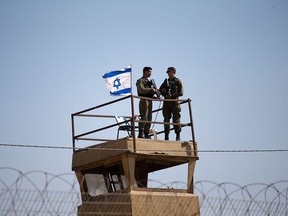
[119, 82]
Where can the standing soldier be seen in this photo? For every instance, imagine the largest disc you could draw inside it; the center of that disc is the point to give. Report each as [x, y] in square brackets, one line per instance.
[171, 88]
[145, 89]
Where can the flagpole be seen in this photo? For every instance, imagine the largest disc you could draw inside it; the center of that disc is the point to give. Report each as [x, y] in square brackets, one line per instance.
[131, 79]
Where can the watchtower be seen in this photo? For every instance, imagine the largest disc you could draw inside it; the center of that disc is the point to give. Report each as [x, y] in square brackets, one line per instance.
[113, 174]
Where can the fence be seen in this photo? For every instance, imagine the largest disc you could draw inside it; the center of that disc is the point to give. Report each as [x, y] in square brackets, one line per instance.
[42, 193]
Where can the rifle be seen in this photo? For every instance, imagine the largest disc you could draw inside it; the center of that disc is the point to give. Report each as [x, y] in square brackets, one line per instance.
[154, 86]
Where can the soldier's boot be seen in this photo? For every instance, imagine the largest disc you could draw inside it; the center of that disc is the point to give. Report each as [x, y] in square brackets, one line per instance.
[140, 135]
[178, 137]
[146, 135]
[166, 136]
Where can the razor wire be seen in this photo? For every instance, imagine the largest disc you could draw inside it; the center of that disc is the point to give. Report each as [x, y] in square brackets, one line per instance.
[43, 193]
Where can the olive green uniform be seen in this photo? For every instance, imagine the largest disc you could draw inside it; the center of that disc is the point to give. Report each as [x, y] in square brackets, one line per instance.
[172, 89]
[144, 89]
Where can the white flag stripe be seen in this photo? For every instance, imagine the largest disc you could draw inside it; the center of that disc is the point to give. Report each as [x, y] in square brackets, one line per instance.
[119, 82]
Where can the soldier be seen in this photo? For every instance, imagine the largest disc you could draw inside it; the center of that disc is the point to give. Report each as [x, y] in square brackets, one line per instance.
[145, 89]
[171, 88]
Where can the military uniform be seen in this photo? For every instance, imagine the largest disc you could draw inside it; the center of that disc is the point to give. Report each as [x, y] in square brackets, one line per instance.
[172, 89]
[144, 89]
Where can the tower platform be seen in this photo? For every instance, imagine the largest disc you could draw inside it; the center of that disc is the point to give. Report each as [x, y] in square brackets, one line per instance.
[158, 154]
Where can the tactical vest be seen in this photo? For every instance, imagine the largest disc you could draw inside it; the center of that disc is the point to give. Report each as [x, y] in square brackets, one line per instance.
[174, 85]
[147, 84]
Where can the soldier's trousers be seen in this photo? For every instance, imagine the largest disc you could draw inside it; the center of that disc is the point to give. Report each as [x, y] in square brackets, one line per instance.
[145, 109]
[171, 109]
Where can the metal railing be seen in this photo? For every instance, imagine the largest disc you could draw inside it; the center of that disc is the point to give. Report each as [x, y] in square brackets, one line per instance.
[133, 119]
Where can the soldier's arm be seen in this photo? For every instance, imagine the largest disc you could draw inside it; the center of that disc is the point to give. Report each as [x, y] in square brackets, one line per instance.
[181, 90]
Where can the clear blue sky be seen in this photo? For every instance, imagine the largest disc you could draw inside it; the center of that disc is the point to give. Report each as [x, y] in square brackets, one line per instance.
[232, 57]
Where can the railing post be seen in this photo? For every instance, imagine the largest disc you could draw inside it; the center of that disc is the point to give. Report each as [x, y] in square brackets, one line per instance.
[191, 120]
[133, 122]
[73, 132]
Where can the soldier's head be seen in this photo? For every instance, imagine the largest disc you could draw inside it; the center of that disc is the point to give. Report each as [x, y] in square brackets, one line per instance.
[147, 71]
[171, 71]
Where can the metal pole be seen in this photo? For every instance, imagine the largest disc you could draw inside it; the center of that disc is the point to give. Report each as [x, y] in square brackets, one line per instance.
[191, 120]
[133, 122]
[133, 114]
[73, 133]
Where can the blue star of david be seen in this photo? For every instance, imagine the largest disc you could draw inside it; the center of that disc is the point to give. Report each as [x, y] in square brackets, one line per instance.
[117, 83]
